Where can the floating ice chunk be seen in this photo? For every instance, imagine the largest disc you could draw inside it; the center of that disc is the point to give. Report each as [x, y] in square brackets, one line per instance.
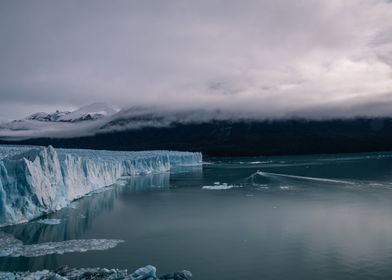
[69, 246]
[49, 221]
[9, 244]
[91, 273]
[223, 186]
[9, 276]
[254, 162]
[144, 273]
[12, 247]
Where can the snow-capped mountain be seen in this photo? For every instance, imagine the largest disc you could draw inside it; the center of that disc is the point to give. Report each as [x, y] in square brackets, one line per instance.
[83, 121]
[86, 113]
[89, 112]
[47, 117]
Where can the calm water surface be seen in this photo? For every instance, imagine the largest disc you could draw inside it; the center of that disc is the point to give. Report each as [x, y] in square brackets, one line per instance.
[314, 217]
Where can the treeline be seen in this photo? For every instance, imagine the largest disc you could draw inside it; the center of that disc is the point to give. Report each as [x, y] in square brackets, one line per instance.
[245, 138]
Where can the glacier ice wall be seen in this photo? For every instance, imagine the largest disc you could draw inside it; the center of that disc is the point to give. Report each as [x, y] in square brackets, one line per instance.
[39, 180]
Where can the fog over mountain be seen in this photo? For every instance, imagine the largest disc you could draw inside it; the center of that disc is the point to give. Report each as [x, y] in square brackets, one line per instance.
[270, 59]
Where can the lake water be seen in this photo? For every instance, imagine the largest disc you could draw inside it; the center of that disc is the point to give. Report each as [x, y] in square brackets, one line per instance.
[309, 217]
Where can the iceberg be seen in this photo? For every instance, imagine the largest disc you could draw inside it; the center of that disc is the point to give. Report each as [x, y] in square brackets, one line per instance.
[38, 180]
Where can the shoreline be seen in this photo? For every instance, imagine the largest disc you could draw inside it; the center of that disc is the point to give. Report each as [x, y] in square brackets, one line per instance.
[148, 272]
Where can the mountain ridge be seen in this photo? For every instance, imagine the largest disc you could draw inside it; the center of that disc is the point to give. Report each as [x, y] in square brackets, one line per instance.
[92, 111]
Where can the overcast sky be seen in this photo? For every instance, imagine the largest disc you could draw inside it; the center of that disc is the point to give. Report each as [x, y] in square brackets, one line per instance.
[276, 58]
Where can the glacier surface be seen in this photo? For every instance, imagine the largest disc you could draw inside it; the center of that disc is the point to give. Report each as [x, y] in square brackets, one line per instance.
[39, 180]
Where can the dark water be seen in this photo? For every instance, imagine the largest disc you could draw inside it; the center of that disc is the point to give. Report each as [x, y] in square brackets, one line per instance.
[330, 218]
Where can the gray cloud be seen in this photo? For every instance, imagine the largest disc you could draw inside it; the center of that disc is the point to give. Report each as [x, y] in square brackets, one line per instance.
[273, 58]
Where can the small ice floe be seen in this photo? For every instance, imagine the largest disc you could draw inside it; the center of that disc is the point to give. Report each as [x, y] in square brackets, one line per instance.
[146, 272]
[261, 187]
[49, 221]
[254, 162]
[284, 187]
[74, 205]
[218, 186]
[250, 195]
[12, 247]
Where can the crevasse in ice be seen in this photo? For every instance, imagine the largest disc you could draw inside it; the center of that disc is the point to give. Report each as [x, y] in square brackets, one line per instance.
[38, 180]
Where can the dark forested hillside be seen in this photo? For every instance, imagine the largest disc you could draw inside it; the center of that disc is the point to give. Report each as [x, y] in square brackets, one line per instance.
[240, 138]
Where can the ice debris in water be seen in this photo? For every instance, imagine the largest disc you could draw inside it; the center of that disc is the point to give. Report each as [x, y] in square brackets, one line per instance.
[65, 273]
[146, 272]
[49, 221]
[218, 186]
[38, 180]
[12, 247]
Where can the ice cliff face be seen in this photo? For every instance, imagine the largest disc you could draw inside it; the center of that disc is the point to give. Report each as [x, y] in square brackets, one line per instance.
[38, 180]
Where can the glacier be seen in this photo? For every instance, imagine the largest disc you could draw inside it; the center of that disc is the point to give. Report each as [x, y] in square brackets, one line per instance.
[36, 180]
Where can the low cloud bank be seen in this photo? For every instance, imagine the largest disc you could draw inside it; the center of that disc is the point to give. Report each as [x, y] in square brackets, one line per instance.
[271, 58]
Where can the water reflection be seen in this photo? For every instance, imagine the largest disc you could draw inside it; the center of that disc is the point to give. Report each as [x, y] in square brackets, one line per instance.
[76, 219]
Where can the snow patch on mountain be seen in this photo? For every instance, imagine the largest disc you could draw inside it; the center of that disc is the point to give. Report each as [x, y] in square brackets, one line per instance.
[84, 121]
[89, 112]
[47, 117]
